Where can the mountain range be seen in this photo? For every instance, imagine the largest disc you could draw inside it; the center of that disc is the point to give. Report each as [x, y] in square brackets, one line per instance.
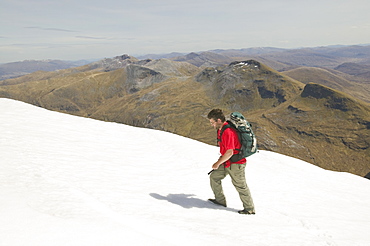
[20, 68]
[318, 113]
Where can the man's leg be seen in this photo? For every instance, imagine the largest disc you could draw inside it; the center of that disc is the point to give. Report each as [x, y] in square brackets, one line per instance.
[216, 184]
[237, 174]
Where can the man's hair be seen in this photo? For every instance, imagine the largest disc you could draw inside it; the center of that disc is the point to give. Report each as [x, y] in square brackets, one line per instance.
[216, 114]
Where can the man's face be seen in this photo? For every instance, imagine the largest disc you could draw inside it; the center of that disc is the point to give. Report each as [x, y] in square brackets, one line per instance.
[216, 124]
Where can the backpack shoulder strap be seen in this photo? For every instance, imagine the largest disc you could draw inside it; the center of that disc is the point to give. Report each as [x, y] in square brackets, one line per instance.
[231, 125]
[222, 131]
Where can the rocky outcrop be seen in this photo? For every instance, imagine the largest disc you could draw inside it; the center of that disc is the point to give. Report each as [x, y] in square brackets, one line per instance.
[139, 77]
[367, 176]
[171, 68]
[110, 64]
[333, 99]
[249, 85]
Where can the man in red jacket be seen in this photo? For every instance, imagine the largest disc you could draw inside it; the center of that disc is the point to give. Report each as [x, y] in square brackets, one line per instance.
[228, 143]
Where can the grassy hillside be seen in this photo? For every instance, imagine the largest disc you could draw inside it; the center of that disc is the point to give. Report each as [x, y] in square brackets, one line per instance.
[326, 127]
[332, 79]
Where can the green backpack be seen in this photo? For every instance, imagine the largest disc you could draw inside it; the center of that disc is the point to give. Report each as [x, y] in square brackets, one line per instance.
[246, 136]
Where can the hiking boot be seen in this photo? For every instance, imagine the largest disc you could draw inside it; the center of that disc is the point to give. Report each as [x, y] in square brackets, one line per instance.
[216, 202]
[244, 211]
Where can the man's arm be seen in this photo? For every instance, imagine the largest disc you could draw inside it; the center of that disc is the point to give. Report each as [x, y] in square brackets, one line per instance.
[228, 154]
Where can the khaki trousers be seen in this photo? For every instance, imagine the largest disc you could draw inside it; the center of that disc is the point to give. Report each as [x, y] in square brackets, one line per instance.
[237, 174]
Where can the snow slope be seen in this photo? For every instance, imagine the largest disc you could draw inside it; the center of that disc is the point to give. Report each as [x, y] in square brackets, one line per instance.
[67, 180]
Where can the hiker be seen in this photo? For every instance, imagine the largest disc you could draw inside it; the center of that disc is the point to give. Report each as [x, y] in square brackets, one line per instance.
[228, 144]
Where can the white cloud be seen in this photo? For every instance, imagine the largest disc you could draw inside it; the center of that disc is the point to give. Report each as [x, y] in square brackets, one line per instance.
[49, 29]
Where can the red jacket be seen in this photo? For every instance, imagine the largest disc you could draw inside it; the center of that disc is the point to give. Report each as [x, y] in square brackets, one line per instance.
[229, 140]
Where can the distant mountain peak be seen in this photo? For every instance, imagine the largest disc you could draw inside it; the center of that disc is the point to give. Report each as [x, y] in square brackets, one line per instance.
[124, 57]
[246, 63]
[110, 64]
[192, 55]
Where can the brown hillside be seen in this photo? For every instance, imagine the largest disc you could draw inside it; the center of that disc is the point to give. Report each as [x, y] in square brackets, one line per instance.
[320, 122]
[204, 59]
[332, 79]
[355, 69]
[248, 86]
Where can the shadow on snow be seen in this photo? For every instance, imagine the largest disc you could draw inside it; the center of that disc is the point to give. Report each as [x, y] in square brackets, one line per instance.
[189, 201]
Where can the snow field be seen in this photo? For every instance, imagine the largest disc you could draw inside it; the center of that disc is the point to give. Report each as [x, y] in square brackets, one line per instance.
[67, 180]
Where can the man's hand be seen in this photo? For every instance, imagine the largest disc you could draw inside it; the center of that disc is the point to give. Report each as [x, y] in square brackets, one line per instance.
[228, 154]
[216, 165]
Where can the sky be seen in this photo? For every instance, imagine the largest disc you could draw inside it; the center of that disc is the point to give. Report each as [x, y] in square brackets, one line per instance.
[73, 181]
[91, 29]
